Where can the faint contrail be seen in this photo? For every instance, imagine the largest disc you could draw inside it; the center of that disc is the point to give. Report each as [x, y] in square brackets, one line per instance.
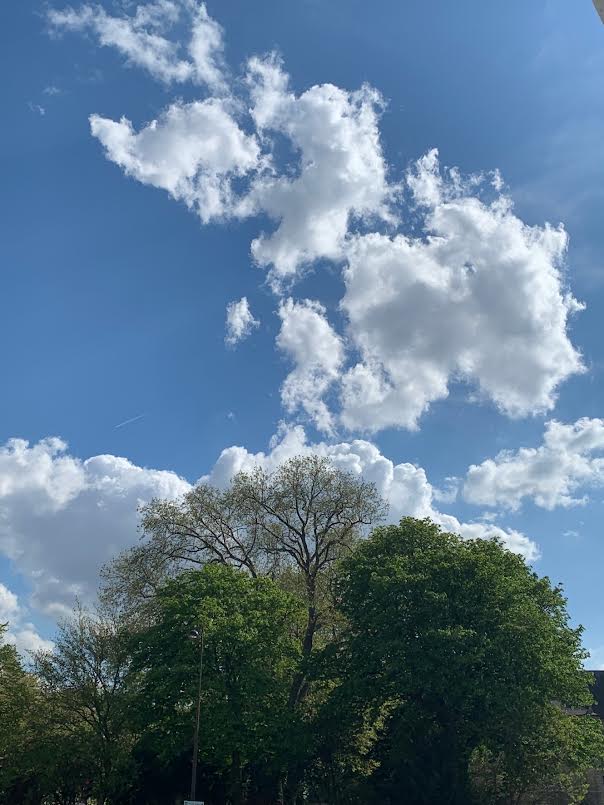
[129, 421]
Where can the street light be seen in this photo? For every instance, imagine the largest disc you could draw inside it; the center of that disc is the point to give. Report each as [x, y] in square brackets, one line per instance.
[197, 635]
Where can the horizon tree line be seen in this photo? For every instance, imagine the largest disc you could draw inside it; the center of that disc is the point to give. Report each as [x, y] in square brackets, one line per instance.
[345, 661]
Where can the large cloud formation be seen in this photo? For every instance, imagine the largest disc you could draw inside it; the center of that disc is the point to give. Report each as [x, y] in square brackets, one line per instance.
[477, 296]
[442, 281]
[62, 518]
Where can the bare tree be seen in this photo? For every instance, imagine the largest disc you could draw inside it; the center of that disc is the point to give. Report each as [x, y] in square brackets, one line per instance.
[307, 514]
[303, 515]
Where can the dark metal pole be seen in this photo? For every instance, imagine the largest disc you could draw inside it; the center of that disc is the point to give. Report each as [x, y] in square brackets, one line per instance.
[196, 735]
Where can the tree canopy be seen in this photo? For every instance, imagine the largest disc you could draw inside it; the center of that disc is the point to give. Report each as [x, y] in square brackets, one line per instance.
[464, 650]
[340, 665]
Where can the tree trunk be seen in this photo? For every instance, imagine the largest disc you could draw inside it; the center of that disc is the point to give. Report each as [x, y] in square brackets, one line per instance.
[236, 781]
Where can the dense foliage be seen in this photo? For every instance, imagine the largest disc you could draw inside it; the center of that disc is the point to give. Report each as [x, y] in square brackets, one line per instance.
[405, 666]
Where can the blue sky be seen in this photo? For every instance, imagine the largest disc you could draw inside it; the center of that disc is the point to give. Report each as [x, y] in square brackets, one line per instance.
[115, 294]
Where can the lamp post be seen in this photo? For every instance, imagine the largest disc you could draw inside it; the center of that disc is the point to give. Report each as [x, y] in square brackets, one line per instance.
[197, 635]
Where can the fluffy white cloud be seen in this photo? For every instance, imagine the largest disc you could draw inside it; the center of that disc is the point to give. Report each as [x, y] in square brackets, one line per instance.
[339, 172]
[239, 321]
[9, 604]
[308, 340]
[61, 518]
[193, 151]
[404, 485]
[206, 48]
[477, 296]
[550, 475]
[480, 296]
[26, 639]
[22, 635]
[140, 38]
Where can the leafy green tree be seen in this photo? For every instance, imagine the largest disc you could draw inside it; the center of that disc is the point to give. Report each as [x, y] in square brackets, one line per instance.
[292, 525]
[18, 698]
[251, 654]
[82, 681]
[558, 750]
[461, 646]
[302, 517]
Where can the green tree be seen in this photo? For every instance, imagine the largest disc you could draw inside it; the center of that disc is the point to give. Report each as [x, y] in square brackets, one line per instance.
[292, 525]
[303, 517]
[18, 698]
[459, 646]
[251, 655]
[82, 681]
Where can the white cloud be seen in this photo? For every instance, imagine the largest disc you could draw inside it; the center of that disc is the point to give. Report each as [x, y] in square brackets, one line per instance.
[140, 39]
[569, 460]
[35, 107]
[479, 297]
[26, 639]
[404, 485]
[239, 321]
[206, 49]
[9, 604]
[61, 518]
[307, 338]
[22, 635]
[339, 171]
[193, 151]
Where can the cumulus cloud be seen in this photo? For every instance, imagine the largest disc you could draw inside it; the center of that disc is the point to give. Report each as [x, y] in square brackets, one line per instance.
[464, 290]
[22, 635]
[9, 604]
[62, 518]
[339, 171]
[141, 39]
[308, 340]
[405, 486]
[479, 296]
[26, 639]
[239, 321]
[193, 150]
[569, 460]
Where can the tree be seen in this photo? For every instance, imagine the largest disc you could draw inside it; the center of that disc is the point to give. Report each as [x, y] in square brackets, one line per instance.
[17, 700]
[558, 750]
[303, 516]
[463, 647]
[294, 522]
[251, 654]
[82, 681]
